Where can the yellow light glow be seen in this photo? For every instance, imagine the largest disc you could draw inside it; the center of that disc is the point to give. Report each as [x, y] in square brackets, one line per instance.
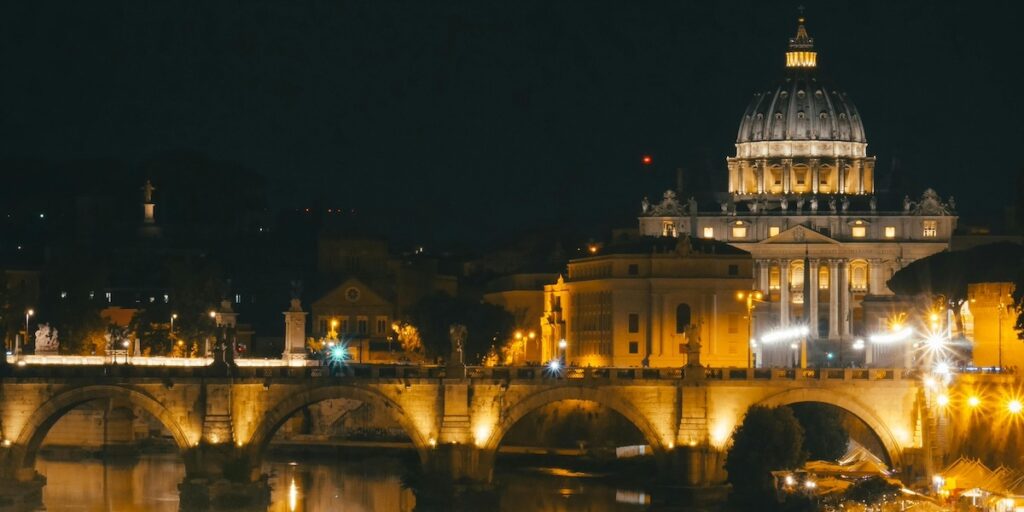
[1014, 406]
[973, 401]
[942, 400]
[481, 434]
[432, 442]
[214, 438]
[293, 496]
[902, 436]
[7, 443]
[720, 434]
[671, 445]
[740, 295]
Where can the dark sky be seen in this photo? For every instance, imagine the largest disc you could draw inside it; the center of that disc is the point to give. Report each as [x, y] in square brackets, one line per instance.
[483, 117]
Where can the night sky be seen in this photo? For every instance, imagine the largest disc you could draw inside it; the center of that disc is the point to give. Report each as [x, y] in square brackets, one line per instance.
[475, 118]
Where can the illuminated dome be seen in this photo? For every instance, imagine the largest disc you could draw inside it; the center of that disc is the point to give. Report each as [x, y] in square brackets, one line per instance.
[801, 107]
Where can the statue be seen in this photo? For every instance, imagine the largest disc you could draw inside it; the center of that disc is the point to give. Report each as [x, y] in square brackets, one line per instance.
[457, 336]
[800, 204]
[907, 204]
[952, 204]
[753, 205]
[147, 191]
[846, 204]
[725, 206]
[691, 205]
[832, 204]
[46, 340]
[814, 204]
[784, 203]
[692, 345]
[873, 203]
[931, 204]
[645, 205]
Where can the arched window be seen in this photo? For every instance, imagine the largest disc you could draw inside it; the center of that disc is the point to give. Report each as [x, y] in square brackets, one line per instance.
[796, 276]
[823, 277]
[682, 317]
[773, 278]
[859, 276]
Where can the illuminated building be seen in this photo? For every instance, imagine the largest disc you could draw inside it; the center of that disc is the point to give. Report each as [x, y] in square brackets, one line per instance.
[801, 193]
[639, 303]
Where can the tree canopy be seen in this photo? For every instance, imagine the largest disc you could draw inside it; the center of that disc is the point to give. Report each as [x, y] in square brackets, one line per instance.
[825, 436]
[487, 325]
[768, 439]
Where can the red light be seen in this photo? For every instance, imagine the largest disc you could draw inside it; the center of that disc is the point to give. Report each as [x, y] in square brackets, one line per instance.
[647, 160]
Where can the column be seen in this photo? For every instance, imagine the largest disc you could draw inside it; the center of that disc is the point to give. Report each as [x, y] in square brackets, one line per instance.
[840, 168]
[812, 289]
[844, 301]
[815, 165]
[833, 299]
[783, 293]
[787, 173]
[860, 177]
[874, 273]
[734, 169]
[764, 275]
[762, 171]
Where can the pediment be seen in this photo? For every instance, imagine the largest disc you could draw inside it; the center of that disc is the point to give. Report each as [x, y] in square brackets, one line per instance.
[800, 235]
[352, 291]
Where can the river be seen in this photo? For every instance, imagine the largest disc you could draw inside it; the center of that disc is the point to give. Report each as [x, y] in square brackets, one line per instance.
[371, 485]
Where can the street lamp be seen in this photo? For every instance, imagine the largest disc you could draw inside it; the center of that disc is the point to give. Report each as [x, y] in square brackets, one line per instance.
[562, 345]
[29, 313]
[750, 298]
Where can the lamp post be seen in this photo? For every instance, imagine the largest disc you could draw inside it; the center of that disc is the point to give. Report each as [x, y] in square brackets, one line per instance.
[999, 320]
[750, 298]
[29, 313]
[562, 345]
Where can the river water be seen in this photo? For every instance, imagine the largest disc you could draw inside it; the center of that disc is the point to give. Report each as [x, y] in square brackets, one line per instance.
[371, 485]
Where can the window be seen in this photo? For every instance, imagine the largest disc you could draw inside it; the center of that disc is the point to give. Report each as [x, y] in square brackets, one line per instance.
[709, 232]
[859, 231]
[930, 229]
[109, 297]
[323, 325]
[739, 231]
[859, 276]
[634, 322]
[238, 298]
[634, 269]
[773, 230]
[734, 270]
[734, 323]
[890, 231]
[634, 347]
[823, 277]
[773, 278]
[382, 325]
[796, 276]
[683, 315]
[668, 229]
[344, 326]
[362, 325]
[63, 295]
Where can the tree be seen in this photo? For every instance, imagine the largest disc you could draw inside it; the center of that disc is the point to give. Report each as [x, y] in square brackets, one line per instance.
[946, 275]
[485, 323]
[768, 439]
[825, 436]
[872, 490]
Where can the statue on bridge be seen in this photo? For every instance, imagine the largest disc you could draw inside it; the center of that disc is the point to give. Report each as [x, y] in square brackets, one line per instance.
[456, 364]
[693, 346]
[47, 342]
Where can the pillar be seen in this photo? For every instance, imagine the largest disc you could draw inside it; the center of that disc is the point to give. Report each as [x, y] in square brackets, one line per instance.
[764, 275]
[812, 291]
[844, 301]
[222, 476]
[841, 170]
[294, 332]
[860, 176]
[787, 175]
[815, 166]
[762, 178]
[783, 293]
[833, 299]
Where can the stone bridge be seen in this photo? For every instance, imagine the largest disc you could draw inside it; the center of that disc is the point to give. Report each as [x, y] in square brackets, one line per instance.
[223, 420]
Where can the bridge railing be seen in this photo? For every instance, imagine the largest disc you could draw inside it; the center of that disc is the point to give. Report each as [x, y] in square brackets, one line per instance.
[808, 373]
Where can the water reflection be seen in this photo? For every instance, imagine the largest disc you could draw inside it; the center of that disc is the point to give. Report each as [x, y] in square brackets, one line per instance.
[150, 485]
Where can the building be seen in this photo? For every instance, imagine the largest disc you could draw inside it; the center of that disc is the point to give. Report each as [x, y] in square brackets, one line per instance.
[801, 200]
[367, 289]
[639, 303]
[991, 317]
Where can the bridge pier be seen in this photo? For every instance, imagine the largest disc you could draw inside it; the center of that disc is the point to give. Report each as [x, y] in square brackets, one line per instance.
[222, 477]
[701, 465]
[21, 490]
[456, 477]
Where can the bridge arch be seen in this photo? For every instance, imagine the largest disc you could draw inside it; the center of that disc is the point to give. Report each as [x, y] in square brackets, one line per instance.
[279, 413]
[607, 398]
[32, 433]
[847, 403]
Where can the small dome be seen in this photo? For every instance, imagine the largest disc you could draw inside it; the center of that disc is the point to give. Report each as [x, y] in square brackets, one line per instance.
[801, 107]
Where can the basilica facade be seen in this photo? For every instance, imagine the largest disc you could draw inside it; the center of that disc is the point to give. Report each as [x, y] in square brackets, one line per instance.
[801, 200]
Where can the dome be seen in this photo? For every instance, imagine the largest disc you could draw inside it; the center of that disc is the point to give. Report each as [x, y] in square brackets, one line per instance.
[801, 107]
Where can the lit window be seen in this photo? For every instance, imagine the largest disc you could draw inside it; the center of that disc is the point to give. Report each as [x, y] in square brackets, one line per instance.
[709, 232]
[773, 230]
[109, 296]
[238, 298]
[739, 231]
[859, 231]
[823, 277]
[890, 231]
[796, 276]
[63, 295]
[167, 298]
[930, 229]
[859, 276]
[668, 229]
[382, 325]
[773, 278]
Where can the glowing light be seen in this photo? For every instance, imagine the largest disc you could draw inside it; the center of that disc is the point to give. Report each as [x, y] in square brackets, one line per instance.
[897, 335]
[671, 445]
[790, 480]
[562, 343]
[293, 496]
[432, 442]
[646, 160]
[942, 400]
[693, 442]
[7, 443]
[973, 401]
[213, 314]
[858, 344]
[929, 382]
[214, 438]
[1014, 406]
[481, 434]
[810, 484]
[935, 342]
[941, 368]
[786, 334]
[554, 365]
[720, 434]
